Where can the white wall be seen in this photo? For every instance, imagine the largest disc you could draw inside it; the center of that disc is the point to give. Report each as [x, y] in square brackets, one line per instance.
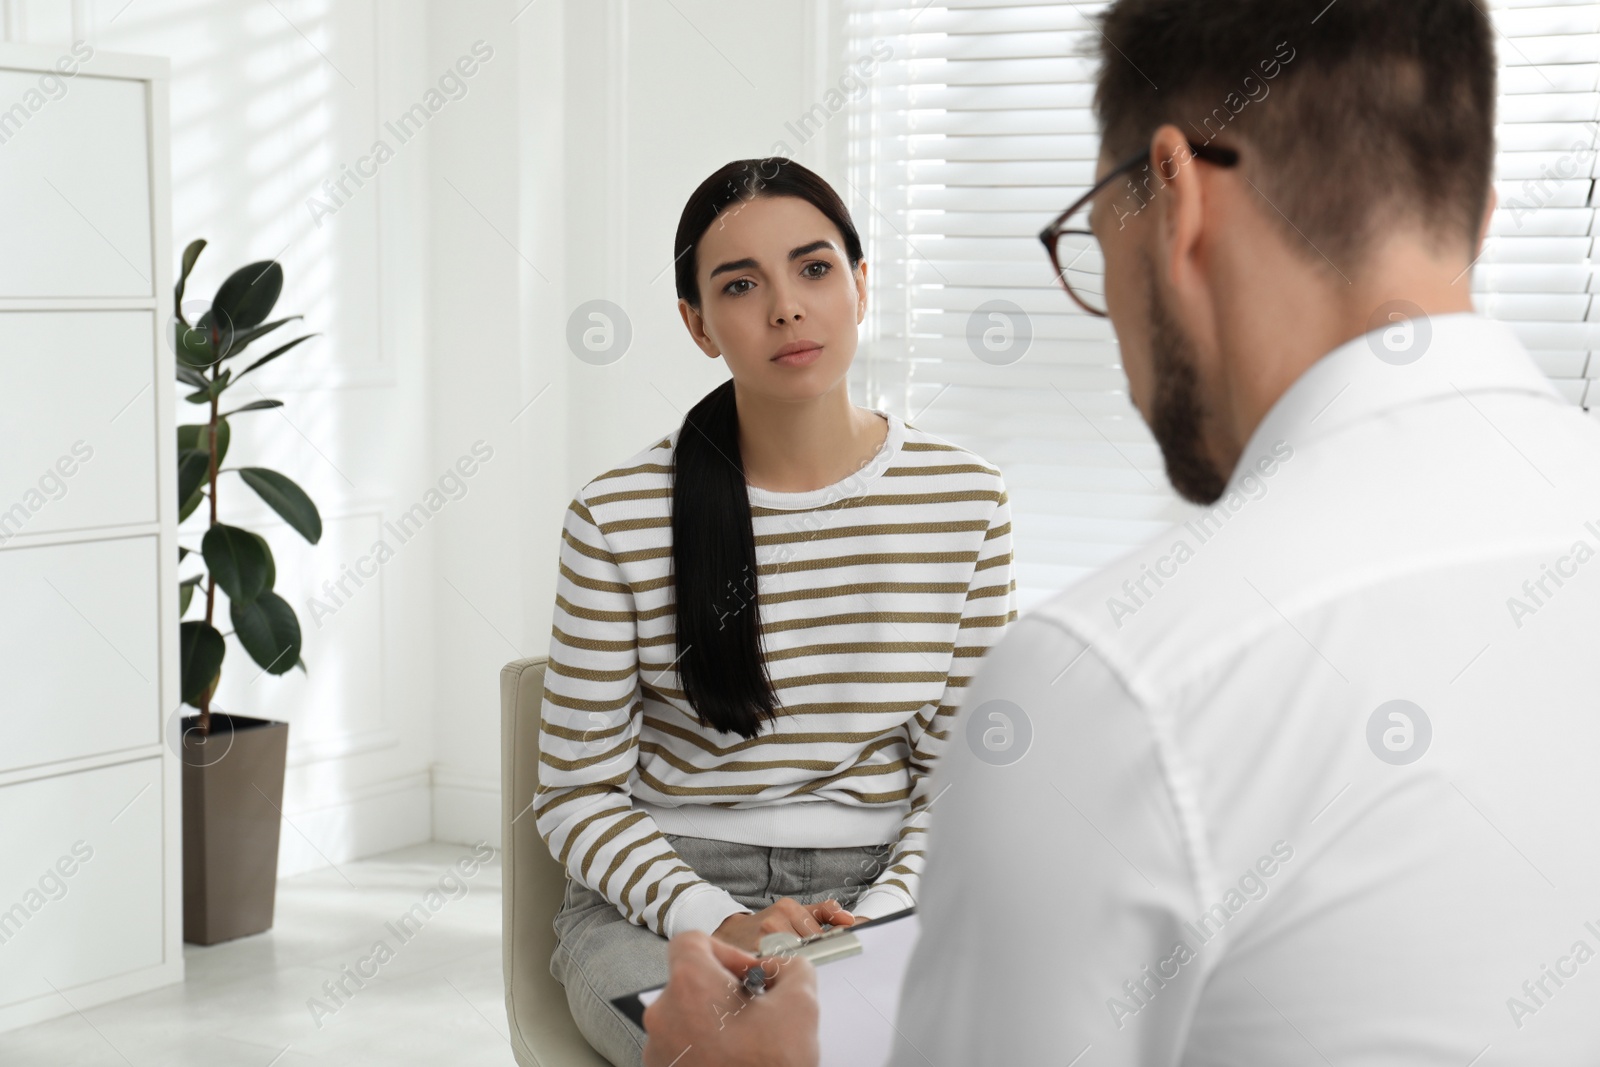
[623, 108]
[494, 282]
[265, 107]
[442, 287]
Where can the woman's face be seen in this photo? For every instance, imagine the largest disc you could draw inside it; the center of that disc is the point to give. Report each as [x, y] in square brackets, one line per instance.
[772, 272]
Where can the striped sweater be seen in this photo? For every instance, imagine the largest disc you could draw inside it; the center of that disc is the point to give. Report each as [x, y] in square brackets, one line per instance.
[876, 598]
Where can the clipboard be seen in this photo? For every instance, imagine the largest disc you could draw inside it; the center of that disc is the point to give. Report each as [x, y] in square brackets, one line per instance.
[860, 971]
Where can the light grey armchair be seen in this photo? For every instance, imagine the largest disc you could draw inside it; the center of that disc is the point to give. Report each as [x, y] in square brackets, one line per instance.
[542, 1031]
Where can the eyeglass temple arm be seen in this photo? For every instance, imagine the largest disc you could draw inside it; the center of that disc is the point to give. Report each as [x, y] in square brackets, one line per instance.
[1222, 157]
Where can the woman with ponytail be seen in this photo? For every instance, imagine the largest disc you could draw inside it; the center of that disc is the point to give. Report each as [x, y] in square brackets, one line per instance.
[764, 622]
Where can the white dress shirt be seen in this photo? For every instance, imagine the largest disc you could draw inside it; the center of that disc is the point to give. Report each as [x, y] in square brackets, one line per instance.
[1186, 821]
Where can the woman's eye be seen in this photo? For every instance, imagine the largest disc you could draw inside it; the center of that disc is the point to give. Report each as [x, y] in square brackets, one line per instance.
[826, 267]
[731, 291]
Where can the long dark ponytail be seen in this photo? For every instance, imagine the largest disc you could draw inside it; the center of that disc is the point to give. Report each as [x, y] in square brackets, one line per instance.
[720, 661]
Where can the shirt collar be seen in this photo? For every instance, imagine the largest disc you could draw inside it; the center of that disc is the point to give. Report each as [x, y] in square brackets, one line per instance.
[1461, 354]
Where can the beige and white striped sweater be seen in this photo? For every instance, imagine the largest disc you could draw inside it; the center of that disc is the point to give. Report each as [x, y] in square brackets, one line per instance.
[876, 596]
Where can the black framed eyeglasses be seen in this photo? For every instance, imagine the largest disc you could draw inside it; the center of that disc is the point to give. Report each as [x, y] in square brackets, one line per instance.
[1073, 248]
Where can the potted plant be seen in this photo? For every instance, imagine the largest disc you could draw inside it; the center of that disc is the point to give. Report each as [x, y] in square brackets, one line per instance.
[233, 765]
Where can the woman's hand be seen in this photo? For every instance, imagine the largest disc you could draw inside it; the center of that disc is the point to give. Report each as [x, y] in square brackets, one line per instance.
[786, 915]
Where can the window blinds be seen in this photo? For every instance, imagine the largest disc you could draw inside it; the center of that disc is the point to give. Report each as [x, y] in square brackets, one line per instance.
[978, 131]
[1537, 268]
[975, 134]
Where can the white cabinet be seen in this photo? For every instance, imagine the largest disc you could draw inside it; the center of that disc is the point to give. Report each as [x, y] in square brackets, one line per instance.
[83, 885]
[77, 642]
[78, 404]
[81, 164]
[90, 819]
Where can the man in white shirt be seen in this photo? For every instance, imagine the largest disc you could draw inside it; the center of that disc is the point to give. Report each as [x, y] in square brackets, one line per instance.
[1315, 777]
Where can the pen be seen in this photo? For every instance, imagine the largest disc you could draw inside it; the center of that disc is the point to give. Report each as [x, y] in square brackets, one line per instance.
[755, 980]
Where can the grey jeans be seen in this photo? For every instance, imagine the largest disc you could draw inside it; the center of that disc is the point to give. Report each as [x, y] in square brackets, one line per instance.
[600, 954]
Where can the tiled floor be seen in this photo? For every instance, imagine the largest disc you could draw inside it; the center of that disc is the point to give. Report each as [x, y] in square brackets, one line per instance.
[437, 999]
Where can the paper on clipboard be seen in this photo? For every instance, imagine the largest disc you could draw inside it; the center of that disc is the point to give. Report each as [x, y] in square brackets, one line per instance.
[858, 995]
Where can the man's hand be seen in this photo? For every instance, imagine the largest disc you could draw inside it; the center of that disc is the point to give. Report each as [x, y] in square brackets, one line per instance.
[786, 915]
[702, 1017]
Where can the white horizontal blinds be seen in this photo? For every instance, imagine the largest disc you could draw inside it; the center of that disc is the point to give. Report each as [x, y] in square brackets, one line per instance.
[972, 136]
[1537, 270]
[978, 131]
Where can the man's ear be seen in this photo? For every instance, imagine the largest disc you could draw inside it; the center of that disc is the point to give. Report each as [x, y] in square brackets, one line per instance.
[696, 324]
[1182, 204]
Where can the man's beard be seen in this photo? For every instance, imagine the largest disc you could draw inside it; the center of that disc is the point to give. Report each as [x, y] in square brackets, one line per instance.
[1175, 414]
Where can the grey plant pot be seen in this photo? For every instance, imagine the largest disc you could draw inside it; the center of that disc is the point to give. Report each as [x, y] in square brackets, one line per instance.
[232, 811]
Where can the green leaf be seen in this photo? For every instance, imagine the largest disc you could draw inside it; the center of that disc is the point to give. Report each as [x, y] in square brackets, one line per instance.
[194, 500]
[214, 388]
[186, 592]
[258, 405]
[269, 631]
[191, 377]
[190, 254]
[198, 436]
[238, 560]
[236, 341]
[301, 663]
[274, 354]
[224, 435]
[200, 648]
[193, 467]
[287, 499]
[272, 566]
[193, 346]
[246, 298]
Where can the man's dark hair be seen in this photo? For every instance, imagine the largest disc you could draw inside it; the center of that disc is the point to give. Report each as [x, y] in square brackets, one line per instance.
[1360, 116]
